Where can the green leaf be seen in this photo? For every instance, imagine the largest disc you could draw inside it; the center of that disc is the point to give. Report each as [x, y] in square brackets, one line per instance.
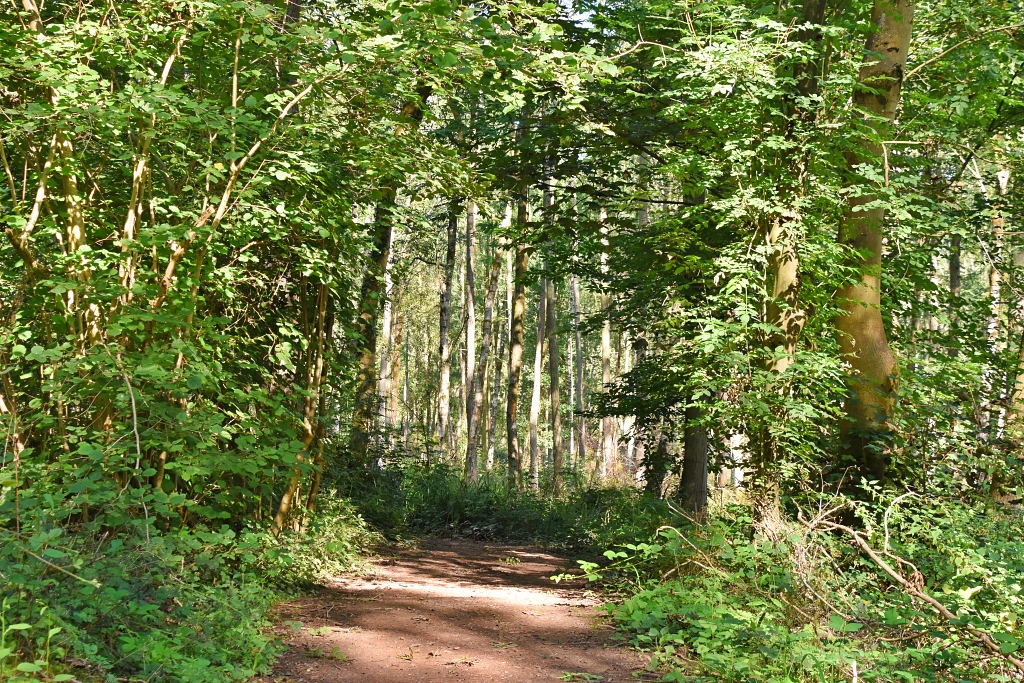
[837, 623]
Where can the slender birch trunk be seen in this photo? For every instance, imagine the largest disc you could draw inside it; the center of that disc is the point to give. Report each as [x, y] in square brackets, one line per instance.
[629, 420]
[501, 336]
[388, 341]
[502, 345]
[444, 384]
[408, 412]
[570, 362]
[607, 422]
[581, 405]
[396, 370]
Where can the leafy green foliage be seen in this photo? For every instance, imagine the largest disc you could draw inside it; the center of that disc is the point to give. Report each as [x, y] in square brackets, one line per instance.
[186, 606]
[438, 501]
[199, 197]
[710, 603]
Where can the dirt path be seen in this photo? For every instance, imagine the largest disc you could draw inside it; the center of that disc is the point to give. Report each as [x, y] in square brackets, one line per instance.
[453, 611]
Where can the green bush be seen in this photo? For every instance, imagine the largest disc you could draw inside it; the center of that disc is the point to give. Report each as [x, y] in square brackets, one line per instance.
[717, 603]
[437, 501]
[188, 607]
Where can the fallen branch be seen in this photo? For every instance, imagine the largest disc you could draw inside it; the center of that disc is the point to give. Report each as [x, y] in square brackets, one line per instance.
[915, 587]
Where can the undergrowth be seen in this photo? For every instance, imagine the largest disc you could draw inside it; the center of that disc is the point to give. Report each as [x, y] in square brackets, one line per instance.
[185, 607]
[416, 500]
[717, 603]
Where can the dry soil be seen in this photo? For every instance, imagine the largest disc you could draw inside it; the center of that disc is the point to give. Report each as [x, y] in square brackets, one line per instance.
[452, 611]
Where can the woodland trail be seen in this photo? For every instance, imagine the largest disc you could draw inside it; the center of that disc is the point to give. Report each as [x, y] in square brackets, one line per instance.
[452, 611]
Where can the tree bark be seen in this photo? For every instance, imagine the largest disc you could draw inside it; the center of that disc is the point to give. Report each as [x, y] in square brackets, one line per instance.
[608, 422]
[370, 298]
[492, 427]
[515, 356]
[553, 393]
[538, 368]
[444, 384]
[473, 430]
[783, 310]
[370, 304]
[693, 485]
[387, 343]
[860, 329]
[396, 370]
[470, 308]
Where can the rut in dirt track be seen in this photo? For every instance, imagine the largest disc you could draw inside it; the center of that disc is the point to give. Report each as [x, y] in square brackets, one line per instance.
[453, 611]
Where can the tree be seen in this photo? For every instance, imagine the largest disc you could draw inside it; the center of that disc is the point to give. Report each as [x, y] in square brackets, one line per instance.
[859, 326]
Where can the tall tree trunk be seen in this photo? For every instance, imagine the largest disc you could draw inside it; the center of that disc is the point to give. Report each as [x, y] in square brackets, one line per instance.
[607, 422]
[470, 309]
[553, 395]
[995, 279]
[656, 464]
[316, 339]
[783, 310]
[860, 329]
[570, 362]
[502, 344]
[629, 461]
[515, 355]
[463, 389]
[406, 419]
[538, 368]
[445, 388]
[693, 485]
[370, 298]
[581, 406]
[473, 431]
[387, 346]
[783, 307]
[396, 370]
[492, 428]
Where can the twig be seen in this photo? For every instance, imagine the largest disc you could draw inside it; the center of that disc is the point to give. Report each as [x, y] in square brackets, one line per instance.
[135, 423]
[637, 46]
[138, 452]
[92, 582]
[688, 541]
[962, 42]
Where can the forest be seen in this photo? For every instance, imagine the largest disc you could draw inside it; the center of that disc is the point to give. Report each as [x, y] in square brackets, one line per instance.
[723, 300]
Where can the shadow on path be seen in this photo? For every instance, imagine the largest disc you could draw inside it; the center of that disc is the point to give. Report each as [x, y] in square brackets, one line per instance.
[452, 611]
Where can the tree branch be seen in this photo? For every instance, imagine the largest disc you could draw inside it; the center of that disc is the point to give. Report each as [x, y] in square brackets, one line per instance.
[915, 587]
